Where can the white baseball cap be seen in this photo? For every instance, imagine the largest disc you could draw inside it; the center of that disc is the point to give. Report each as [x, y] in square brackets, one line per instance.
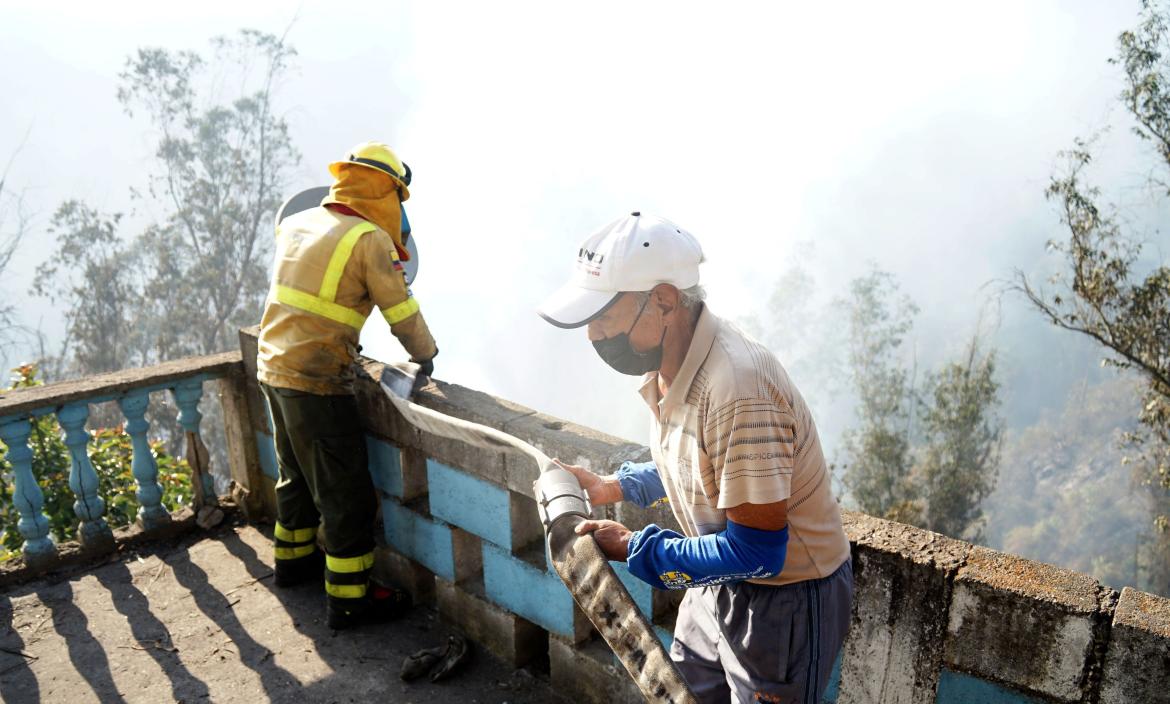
[633, 253]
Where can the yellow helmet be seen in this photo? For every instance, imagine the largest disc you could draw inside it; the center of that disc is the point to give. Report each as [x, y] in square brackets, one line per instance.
[375, 155]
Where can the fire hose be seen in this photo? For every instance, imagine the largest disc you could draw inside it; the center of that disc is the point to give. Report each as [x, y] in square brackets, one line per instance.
[578, 560]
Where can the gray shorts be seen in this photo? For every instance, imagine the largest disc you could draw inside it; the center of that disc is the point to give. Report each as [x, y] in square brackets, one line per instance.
[745, 643]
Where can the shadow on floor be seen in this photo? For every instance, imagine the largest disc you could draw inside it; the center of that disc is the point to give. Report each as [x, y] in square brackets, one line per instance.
[17, 681]
[216, 629]
[218, 609]
[374, 654]
[151, 634]
[87, 654]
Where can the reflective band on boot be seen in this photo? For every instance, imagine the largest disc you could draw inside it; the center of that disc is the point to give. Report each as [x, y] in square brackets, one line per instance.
[282, 553]
[348, 577]
[299, 535]
[292, 544]
[345, 591]
[344, 565]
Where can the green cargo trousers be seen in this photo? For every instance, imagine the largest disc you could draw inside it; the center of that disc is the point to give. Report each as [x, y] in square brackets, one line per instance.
[324, 478]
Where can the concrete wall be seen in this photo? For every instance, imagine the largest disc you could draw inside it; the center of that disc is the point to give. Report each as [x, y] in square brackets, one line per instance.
[934, 619]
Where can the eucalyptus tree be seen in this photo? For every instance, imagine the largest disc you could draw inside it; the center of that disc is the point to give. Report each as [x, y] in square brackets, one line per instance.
[1110, 288]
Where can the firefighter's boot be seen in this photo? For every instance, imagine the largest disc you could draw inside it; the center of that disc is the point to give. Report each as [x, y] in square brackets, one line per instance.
[351, 598]
[298, 560]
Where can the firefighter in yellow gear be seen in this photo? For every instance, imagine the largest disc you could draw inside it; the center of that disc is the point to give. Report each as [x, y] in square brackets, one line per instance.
[334, 264]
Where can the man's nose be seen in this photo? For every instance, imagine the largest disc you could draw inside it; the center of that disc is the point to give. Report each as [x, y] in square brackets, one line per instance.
[595, 332]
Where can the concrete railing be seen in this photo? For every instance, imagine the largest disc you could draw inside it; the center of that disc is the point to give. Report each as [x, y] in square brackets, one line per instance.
[71, 401]
[934, 619]
[939, 620]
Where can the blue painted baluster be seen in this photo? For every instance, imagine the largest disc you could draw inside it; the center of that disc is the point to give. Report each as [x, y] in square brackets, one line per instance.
[151, 513]
[26, 495]
[83, 480]
[187, 395]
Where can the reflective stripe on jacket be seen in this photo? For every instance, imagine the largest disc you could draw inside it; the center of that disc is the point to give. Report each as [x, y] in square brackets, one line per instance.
[331, 269]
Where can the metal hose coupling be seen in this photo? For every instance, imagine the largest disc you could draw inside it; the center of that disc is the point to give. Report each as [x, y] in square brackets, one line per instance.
[559, 494]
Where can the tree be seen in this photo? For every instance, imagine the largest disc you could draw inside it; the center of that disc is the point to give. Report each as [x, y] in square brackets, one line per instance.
[789, 324]
[877, 452]
[187, 281]
[92, 271]
[1107, 290]
[788, 308]
[927, 456]
[1067, 460]
[221, 172]
[962, 438]
[14, 219]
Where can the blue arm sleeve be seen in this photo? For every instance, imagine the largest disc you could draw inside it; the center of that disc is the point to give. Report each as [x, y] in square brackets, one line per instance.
[666, 560]
[640, 483]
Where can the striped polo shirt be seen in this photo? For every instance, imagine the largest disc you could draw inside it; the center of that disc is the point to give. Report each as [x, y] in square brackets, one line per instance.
[733, 429]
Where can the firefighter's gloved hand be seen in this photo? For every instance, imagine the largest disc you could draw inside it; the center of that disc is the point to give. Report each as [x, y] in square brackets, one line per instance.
[425, 370]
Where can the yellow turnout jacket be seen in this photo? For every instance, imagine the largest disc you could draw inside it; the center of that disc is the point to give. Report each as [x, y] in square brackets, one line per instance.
[331, 270]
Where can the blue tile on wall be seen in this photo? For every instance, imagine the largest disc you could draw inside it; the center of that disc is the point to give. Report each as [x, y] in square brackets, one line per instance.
[526, 590]
[959, 688]
[385, 463]
[419, 538]
[470, 503]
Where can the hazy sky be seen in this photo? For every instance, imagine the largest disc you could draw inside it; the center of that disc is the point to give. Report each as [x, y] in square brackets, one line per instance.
[915, 135]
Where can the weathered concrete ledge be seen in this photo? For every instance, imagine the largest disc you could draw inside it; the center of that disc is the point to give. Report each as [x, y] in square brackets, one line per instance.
[1137, 659]
[1036, 623]
[112, 385]
[572, 443]
[902, 581]
[934, 619]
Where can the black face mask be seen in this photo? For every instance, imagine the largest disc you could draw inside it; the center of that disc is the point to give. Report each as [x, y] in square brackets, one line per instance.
[617, 352]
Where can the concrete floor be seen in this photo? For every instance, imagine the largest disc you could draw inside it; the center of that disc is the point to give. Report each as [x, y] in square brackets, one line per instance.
[200, 621]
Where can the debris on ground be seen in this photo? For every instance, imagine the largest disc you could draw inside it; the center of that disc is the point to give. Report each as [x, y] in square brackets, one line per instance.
[439, 662]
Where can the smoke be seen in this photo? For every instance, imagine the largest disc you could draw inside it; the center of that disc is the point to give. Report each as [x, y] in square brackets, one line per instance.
[917, 138]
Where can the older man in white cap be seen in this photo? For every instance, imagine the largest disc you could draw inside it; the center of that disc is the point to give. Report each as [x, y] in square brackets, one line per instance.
[736, 453]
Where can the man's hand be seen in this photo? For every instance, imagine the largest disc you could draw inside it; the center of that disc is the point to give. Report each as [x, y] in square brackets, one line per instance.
[611, 536]
[601, 490]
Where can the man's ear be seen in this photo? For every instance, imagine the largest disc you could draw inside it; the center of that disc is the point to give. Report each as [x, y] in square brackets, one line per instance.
[666, 298]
